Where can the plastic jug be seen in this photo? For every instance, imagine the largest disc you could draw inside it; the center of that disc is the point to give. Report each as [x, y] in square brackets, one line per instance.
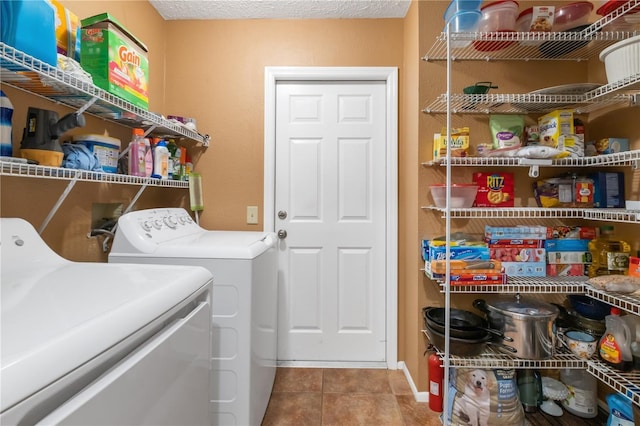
[615, 345]
[137, 153]
[161, 161]
[582, 400]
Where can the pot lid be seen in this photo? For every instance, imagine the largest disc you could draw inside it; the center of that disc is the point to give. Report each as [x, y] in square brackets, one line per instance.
[523, 308]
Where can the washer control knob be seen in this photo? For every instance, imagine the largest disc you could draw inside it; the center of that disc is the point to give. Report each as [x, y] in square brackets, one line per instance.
[146, 225]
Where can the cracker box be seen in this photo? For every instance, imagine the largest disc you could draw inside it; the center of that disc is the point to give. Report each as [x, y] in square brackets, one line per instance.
[459, 143]
[116, 59]
[495, 189]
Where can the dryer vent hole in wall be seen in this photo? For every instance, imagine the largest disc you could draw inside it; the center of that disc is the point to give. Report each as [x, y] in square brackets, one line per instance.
[104, 218]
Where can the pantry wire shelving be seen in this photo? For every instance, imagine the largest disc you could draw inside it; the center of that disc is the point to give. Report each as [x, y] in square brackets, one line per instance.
[27, 73]
[61, 173]
[628, 302]
[541, 285]
[608, 214]
[627, 383]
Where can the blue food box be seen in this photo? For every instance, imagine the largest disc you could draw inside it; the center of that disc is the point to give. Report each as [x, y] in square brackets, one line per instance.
[608, 189]
[567, 245]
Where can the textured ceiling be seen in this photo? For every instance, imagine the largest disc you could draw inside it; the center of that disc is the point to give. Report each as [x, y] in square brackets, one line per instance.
[280, 9]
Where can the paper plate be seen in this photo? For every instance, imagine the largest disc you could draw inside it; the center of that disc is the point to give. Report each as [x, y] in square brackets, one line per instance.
[565, 89]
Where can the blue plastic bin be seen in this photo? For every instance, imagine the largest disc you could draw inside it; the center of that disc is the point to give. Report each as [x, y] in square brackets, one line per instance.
[29, 26]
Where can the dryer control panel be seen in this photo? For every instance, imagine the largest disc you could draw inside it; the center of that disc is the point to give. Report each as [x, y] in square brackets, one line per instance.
[156, 226]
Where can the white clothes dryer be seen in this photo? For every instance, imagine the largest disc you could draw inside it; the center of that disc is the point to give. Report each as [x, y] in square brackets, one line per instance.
[244, 307]
[97, 343]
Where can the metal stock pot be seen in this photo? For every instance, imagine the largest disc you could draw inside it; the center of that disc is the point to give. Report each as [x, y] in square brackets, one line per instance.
[528, 322]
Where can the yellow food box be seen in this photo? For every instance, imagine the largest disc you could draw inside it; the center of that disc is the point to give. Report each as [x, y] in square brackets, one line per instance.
[459, 143]
[555, 124]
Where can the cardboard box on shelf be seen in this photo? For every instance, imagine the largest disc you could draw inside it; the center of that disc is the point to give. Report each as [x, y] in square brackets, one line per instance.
[634, 266]
[525, 269]
[115, 58]
[515, 232]
[565, 257]
[568, 270]
[567, 245]
[608, 189]
[572, 232]
[459, 143]
[495, 189]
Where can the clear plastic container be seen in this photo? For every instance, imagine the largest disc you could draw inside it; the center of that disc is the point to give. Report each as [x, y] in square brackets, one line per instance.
[137, 152]
[583, 393]
[610, 255]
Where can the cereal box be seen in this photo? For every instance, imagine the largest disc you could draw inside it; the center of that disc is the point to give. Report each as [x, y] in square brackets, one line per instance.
[459, 143]
[495, 189]
[634, 266]
[116, 60]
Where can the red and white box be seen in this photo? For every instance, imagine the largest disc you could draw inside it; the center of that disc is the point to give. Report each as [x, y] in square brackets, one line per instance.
[568, 270]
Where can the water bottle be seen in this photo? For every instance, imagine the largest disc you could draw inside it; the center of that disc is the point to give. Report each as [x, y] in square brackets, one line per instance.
[6, 113]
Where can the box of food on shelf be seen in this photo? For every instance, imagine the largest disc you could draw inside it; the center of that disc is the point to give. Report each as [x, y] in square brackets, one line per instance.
[555, 124]
[525, 269]
[115, 58]
[567, 245]
[634, 266]
[459, 143]
[564, 257]
[608, 189]
[606, 146]
[67, 31]
[568, 270]
[516, 243]
[515, 232]
[495, 189]
[571, 232]
[514, 254]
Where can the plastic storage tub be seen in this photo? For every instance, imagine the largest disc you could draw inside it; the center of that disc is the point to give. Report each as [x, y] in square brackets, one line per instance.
[462, 195]
[464, 17]
[499, 16]
[29, 26]
[622, 59]
[105, 148]
[572, 15]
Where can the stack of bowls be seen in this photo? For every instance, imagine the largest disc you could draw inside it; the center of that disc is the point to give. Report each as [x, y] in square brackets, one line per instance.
[499, 16]
[462, 16]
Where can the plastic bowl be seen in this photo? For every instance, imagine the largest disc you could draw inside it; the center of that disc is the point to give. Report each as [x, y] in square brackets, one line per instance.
[622, 59]
[456, 6]
[462, 195]
[523, 21]
[499, 16]
[572, 15]
[463, 21]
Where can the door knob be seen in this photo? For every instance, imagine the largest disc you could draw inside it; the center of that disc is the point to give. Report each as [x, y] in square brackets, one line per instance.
[282, 234]
[282, 214]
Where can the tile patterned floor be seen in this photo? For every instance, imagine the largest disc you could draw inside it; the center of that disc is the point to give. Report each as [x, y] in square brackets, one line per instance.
[322, 397]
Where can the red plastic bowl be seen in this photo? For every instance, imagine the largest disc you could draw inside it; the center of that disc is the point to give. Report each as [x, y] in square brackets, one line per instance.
[572, 15]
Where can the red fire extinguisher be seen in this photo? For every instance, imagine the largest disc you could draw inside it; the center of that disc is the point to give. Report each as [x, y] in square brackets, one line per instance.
[436, 378]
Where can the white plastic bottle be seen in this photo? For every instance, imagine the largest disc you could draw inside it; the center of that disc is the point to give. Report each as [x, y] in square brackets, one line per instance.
[161, 161]
[582, 400]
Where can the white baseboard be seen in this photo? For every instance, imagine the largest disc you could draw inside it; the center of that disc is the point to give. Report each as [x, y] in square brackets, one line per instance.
[419, 396]
[332, 364]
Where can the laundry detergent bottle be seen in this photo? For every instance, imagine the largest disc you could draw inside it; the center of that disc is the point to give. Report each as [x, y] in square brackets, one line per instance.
[615, 345]
[6, 114]
[160, 161]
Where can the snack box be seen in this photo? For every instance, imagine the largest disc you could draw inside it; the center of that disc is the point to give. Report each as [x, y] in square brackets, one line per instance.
[607, 146]
[564, 257]
[514, 254]
[515, 232]
[516, 243]
[459, 143]
[567, 245]
[571, 232]
[115, 58]
[634, 266]
[569, 270]
[525, 269]
[495, 189]
[608, 189]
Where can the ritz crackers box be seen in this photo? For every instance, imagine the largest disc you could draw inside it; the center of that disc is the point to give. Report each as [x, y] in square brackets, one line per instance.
[495, 189]
[116, 59]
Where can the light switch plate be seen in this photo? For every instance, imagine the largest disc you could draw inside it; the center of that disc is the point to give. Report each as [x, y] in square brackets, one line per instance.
[252, 215]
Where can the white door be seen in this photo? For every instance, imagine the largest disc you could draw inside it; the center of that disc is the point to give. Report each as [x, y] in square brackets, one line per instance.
[330, 198]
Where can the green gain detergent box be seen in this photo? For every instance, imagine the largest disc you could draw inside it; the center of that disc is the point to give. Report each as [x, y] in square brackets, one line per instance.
[116, 59]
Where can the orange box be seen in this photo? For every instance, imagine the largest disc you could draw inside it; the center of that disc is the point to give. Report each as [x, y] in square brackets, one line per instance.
[634, 266]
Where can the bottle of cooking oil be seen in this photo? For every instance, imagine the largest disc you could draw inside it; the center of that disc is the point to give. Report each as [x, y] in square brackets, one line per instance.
[610, 256]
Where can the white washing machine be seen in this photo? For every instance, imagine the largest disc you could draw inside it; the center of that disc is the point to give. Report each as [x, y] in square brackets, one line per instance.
[95, 343]
[244, 307]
